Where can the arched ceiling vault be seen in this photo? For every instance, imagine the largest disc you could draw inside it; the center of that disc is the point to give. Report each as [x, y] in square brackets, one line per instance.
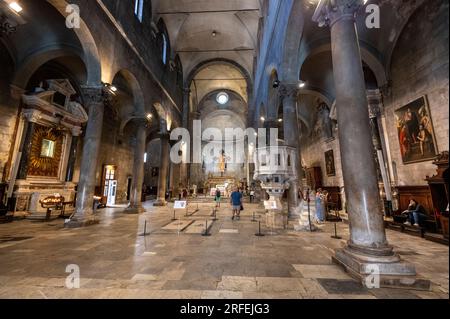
[220, 76]
[201, 30]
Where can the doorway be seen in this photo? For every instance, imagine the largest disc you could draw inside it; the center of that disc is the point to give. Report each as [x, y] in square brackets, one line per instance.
[109, 185]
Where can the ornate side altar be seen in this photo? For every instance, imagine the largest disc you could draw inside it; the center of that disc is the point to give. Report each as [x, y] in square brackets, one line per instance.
[274, 167]
[45, 159]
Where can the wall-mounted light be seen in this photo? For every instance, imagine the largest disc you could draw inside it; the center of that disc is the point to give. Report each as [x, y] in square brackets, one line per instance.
[302, 84]
[113, 88]
[149, 116]
[263, 119]
[280, 120]
[214, 34]
[16, 7]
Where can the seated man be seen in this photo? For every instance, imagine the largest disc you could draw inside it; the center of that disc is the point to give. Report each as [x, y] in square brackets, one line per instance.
[416, 213]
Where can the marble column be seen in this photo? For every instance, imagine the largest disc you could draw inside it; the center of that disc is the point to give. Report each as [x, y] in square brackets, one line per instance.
[83, 216]
[164, 167]
[289, 95]
[135, 206]
[31, 117]
[195, 169]
[73, 154]
[367, 251]
[375, 109]
[184, 167]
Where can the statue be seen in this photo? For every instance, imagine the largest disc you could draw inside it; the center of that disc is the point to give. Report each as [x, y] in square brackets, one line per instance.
[222, 166]
[325, 121]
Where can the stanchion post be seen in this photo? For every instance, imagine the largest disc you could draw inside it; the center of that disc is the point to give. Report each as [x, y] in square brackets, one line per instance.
[335, 232]
[259, 234]
[174, 216]
[206, 233]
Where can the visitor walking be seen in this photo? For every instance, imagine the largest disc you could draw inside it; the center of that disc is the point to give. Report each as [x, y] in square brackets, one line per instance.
[252, 196]
[218, 197]
[236, 203]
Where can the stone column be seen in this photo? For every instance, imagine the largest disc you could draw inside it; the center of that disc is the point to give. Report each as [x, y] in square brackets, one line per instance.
[184, 167]
[195, 169]
[289, 95]
[31, 117]
[367, 251]
[93, 98]
[135, 206]
[164, 167]
[375, 108]
[73, 154]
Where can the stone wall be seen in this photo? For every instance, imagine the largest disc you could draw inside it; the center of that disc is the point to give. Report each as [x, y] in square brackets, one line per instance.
[8, 110]
[313, 153]
[420, 67]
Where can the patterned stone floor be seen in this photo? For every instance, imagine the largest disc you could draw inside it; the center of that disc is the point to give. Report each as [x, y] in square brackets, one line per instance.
[175, 262]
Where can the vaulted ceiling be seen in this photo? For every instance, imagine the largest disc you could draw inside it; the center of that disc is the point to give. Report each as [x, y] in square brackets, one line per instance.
[205, 30]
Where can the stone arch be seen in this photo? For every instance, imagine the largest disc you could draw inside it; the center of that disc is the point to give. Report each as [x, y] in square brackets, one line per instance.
[291, 53]
[200, 66]
[39, 58]
[367, 56]
[136, 90]
[90, 53]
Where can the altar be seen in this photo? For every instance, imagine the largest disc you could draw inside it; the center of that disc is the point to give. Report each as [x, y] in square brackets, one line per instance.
[224, 183]
[51, 122]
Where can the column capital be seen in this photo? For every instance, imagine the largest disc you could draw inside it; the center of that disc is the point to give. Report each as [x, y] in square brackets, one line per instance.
[328, 12]
[196, 115]
[76, 131]
[31, 115]
[140, 122]
[92, 94]
[289, 90]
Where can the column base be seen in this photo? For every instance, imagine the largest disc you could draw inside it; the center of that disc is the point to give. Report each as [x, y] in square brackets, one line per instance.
[134, 210]
[276, 220]
[393, 272]
[82, 222]
[160, 203]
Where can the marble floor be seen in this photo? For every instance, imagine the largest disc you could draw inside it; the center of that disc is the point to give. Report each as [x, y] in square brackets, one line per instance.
[173, 260]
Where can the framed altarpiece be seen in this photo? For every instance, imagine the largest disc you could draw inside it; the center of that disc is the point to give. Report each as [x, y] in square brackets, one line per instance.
[49, 129]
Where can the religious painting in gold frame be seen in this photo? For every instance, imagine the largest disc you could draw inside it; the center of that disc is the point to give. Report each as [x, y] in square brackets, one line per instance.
[416, 132]
[46, 151]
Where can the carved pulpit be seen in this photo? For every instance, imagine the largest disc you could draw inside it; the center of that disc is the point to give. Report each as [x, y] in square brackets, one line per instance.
[51, 124]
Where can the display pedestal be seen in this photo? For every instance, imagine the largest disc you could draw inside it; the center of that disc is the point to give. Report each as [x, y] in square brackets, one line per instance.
[306, 220]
